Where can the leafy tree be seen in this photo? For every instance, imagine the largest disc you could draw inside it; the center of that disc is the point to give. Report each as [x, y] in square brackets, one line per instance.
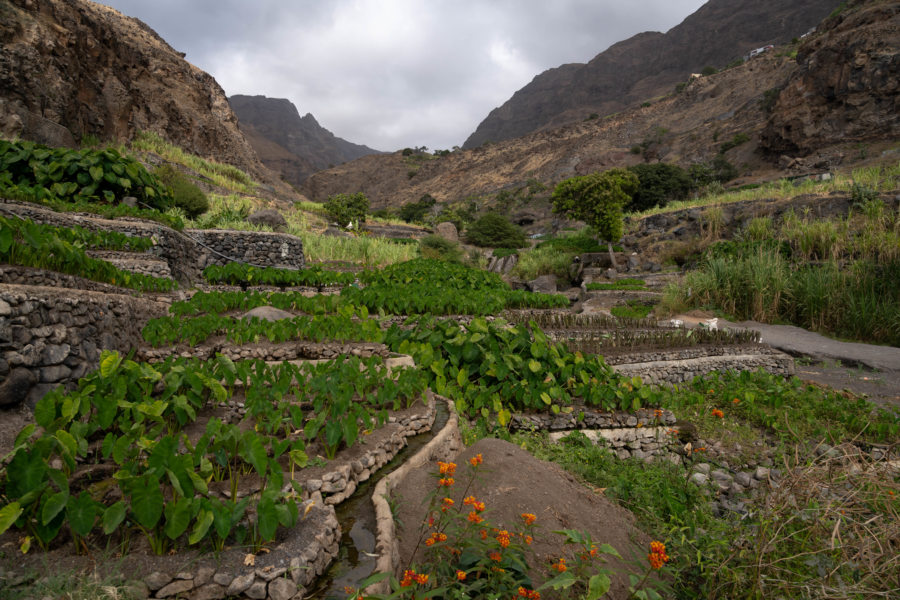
[416, 211]
[494, 231]
[659, 183]
[347, 208]
[597, 199]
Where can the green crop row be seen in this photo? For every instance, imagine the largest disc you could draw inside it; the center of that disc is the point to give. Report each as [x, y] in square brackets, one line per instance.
[220, 302]
[29, 244]
[99, 240]
[127, 421]
[244, 275]
[344, 326]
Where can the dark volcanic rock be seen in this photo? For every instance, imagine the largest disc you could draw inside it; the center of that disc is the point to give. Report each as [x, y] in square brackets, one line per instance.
[16, 386]
[294, 146]
[648, 64]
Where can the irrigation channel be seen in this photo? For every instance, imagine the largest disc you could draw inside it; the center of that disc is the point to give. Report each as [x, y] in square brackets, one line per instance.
[356, 555]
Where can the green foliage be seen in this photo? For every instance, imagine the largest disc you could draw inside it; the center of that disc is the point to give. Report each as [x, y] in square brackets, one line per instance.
[184, 193]
[78, 175]
[439, 248]
[494, 231]
[132, 415]
[597, 199]
[708, 70]
[717, 170]
[46, 247]
[347, 208]
[504, 252]
[632, 309]
[427, 286]
[415, 212]
[735, 63]
[658, 184]
[737, 140]
[577, 243]
[244, 275]
[769, 99]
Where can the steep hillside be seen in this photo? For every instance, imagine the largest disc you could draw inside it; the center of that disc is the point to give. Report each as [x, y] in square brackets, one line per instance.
[648, 65]
[684, 128]
[73, 68]
[293, 146]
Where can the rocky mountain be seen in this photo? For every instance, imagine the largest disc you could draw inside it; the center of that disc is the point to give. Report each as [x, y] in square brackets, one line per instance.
[649, 64]
[293, 146]
[839, 95]
[73, 68]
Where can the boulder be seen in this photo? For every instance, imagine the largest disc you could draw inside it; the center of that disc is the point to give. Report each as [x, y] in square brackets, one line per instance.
[270, 217]
[545, 284]
[447, 231]
[16, 386]
[268, 313]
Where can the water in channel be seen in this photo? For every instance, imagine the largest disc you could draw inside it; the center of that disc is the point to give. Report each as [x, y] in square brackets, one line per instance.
[356, 555]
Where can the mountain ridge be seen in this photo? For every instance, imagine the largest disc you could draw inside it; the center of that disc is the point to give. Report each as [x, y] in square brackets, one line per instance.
[647, 64]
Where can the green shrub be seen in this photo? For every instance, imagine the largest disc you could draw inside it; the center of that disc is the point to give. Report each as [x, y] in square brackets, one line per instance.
[185, 194]
[504, 252]
[434, 246]
[717, 170]
[708, 70]
[494, 231]
[78, 175]
[658, 184]
[737, 140]
[347, 208]
[767, 102]
[415, 212]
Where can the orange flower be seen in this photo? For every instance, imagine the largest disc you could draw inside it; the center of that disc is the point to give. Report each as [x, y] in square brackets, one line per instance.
[498, 570]
[429, 542]
[479, 506]
[407, 578]
[446, 481]
[736, 401]
[528, 539]
[560, 566]
[474, 517]
[469, 500]
[447, 468]
[460, 575]
[422, 578]
[503, 538]
[495, 556]
[529, 518]
[529, 594]
[484, 534]
[717, 413]
[657, 556]
[658, 412]
[476, 460]
[448, 502]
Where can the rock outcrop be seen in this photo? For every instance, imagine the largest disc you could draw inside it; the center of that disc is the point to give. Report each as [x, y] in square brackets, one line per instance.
[74, 68]
[847, 87]
[648, 64]
[293, 146]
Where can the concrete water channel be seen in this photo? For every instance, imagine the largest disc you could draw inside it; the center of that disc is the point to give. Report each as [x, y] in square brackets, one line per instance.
[356, 557]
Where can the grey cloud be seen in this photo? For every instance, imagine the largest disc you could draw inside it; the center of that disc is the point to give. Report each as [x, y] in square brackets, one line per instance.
[395, 73]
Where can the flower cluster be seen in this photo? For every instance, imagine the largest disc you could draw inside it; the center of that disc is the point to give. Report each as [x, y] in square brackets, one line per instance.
[476, 460]
[529, 594]
[410, 577]
[503, 538]
[718, 413]
[559, 565]
[529, 518]
[436, 537]
[446, 503]
[657, 556]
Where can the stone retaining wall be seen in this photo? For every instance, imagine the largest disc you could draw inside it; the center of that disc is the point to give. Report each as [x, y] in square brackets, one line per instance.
[143, 263]
[48, 337]
[275, 353]
[679, 371]
[16, 275]
[446, 444]
[256, 247]
[291, 567]
[689, 353]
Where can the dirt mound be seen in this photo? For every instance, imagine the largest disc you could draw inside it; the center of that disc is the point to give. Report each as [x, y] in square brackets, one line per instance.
[513, 482]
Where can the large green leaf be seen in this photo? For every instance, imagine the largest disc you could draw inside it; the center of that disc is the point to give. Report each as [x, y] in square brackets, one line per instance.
[204, 520]
[81, 511]
[178, 517]
[113, 517]
[53, 505]
[267, 517]
[25, 473]
[8, 515]
[146, 501]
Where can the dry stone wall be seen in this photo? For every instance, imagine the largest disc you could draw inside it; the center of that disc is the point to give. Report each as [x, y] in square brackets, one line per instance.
[48, 336]
[679, 371]
[254, 247]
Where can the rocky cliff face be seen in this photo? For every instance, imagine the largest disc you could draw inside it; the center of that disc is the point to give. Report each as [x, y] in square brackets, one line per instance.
[648, 65]
[847, 86]
[71, 68]
[294, 146]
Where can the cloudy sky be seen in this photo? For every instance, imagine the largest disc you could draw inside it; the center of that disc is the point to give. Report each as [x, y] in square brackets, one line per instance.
[395, 73]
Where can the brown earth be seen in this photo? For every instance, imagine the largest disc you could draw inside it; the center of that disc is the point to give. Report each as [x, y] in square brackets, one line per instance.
[511, 482]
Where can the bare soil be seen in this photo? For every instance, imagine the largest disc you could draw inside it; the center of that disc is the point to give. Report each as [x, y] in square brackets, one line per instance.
[513, 482]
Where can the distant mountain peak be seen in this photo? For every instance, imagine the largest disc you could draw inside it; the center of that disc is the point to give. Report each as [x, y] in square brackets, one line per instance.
[294, 146]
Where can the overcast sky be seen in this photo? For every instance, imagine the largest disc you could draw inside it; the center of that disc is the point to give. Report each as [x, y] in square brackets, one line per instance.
[395, 73]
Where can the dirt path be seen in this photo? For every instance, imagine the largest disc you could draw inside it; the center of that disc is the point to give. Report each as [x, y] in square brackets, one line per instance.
[860, 368]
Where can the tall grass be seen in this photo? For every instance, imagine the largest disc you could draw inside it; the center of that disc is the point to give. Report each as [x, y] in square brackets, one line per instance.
[225, 176]
[543, 261]
[366, 251]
